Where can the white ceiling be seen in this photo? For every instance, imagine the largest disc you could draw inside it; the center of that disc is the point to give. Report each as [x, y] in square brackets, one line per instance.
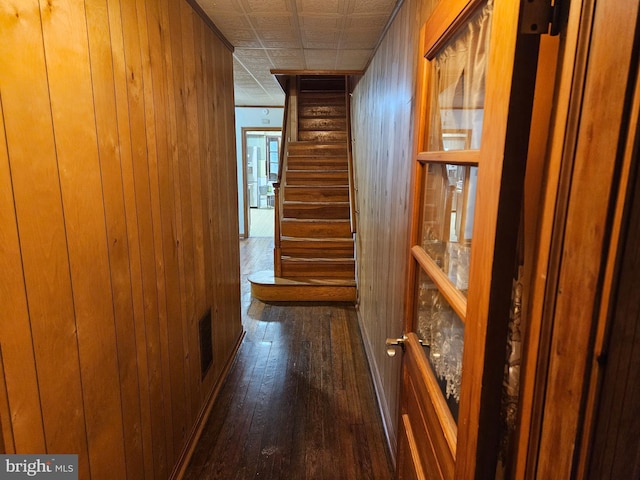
[295, 35]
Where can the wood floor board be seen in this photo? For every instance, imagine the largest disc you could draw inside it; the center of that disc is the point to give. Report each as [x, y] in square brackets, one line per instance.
[298, 402]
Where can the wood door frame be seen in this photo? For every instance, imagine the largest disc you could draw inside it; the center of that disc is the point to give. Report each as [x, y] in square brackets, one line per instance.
[588, 158]
[245, 186]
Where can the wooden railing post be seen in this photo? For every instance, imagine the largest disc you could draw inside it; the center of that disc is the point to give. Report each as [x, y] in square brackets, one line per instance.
[288, 134]
[277, 249]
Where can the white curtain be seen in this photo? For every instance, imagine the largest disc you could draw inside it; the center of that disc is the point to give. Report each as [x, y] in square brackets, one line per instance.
[459, 84]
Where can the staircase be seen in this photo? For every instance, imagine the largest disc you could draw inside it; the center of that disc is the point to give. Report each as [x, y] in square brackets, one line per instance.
[314, 247]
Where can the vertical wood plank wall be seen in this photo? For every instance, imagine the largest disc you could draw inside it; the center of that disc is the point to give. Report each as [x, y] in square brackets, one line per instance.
[382, 122]
[118, 229]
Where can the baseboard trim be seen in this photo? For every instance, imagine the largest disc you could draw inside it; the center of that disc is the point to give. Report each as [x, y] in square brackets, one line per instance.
[196, 432]
[383, 406]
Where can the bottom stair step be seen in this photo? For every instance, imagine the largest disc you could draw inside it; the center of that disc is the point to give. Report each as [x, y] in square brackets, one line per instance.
[318, 267]
[265, 286]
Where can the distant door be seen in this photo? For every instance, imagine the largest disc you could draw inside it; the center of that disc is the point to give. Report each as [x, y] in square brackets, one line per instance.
[475, 93]
[260, 153]
[273, 152]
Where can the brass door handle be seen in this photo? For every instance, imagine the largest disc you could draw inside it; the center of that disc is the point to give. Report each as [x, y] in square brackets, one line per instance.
[392, 343]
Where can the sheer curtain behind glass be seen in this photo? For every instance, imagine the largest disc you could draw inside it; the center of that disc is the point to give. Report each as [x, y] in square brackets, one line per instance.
[459, 76]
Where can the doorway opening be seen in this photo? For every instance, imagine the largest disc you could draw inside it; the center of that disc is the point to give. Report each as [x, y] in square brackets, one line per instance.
[261, 159]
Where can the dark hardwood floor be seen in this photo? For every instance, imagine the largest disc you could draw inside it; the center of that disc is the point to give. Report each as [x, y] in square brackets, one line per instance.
[298, 402]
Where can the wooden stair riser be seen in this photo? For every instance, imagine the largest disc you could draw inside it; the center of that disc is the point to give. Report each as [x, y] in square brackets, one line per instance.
[269, 288]
[317, 248]
[322, 82]
[322, 136]
[317, 150]
[318, 268]
[321, 99]
[325, 124]
[310, 177]
[316, 194]
[316, 228]
[322, 111]
[317, 163]
[334, 211]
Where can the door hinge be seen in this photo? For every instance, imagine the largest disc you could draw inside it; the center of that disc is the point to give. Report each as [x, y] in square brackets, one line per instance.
[541, 17]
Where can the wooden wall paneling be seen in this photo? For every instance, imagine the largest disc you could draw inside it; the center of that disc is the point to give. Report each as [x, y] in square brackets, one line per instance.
[165, 254]
[216, 152]
[67, 56]
[189, 19]
[212, 74]
[20, 384]
[6, 434]
[230, 242]
[156, 326]
[216, 233]
[143, 208]
[131, 215]
[112, 190]
[229, 210]
[41, 230]
[184, 177]
[220, 318]
[157, 29]
[175, 326]
[154, 82]
[382, 108]
[204, 113]
[108, 239]
[228, 202]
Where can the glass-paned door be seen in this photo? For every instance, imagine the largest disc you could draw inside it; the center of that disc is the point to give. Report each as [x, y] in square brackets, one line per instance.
[469, 174]
[455, 120]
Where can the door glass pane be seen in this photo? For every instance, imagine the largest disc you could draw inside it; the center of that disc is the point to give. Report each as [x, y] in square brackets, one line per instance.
[448, 209]
[442, 332]
[457, 89]
[274, 156]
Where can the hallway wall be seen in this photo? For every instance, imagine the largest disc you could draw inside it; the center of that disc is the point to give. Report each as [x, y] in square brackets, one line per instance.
[382, 122]
[118, 229]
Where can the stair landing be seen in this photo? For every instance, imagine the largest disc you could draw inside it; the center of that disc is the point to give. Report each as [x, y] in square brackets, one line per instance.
[265, 286]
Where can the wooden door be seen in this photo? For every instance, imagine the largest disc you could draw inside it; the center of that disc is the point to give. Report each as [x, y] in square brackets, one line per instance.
[475, 95]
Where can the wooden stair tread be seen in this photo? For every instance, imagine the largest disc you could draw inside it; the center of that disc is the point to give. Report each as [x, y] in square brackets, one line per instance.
[310, 260]
[317, 220]
[315, 203]
[320, 187]
[285, 238]
[324, 173]
[267, 277]
[265, 286]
